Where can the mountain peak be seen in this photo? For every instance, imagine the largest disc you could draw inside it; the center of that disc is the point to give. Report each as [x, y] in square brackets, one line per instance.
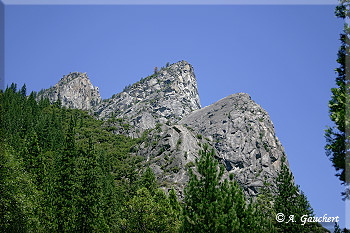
[165, 96]
[167, 74]
[75, 90]
[238, 129]
[243, 136]
[73, 75]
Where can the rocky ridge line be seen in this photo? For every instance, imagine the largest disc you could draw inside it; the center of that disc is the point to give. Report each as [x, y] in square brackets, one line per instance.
[166, 107]
[164, 97]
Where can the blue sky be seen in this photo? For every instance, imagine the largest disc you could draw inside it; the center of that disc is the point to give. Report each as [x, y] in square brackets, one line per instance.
[283, 56]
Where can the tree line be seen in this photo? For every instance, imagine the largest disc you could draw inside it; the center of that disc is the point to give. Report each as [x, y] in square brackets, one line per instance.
[61, 170]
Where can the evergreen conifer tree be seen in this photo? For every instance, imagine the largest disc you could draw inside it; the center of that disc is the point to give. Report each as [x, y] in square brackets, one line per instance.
[176, 207]
[150, 209]
[64, 184]
[88, 195]
[148, 180]
[338, 137]
[23, 91]
[19, 196]
[214, 206]
[265, 211]
[33, 159]
[201, 195]
[111, 208]
[290, 201]
[174, 203]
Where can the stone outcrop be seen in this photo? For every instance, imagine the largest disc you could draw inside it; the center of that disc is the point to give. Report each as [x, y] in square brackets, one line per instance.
[75, 91]
[166, 107]
[238, 129]
[170, 151]
[166, 96]
[243, 137]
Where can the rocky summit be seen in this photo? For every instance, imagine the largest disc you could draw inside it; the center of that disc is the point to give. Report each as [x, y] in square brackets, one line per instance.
[166, 96]
[243, 137]
[74, 90]
[167, 108]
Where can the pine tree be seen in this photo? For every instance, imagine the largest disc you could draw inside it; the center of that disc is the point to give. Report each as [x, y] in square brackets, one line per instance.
[111, 208]
[201, 195]
[176, 207]
[174, 203]
[33, 159]
[211, 205]
[147, 213]
[140, 216]
[55, 131]
[150, 210]
[338, 137]
[44, 102]
[88, 195]
[64, 184]
[214, 206]
[32, 112]
[265, 212]
[23, 91]
[148, 180]
[231, 203]
[19, 196]
[336, 228]
[290, 201]
[13, 87]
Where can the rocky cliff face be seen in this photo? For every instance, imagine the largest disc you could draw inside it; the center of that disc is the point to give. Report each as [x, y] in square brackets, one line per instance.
[75, 91]
[166, 107]
[170, 151]
[243, 137]
[166, 96]
[238, 129]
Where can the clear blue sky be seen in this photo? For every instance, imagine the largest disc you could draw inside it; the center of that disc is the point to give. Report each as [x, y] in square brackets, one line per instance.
[283, 56]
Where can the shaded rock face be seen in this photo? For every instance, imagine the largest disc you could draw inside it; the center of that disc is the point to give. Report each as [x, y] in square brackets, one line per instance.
[243, 137]
[166, 96]
[238, 129]
[75, 91]
[170, 151]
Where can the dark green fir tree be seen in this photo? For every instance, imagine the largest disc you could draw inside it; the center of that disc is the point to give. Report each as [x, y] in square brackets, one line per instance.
[88, 194]
[65, 209]
[293, 204]
[214, 206]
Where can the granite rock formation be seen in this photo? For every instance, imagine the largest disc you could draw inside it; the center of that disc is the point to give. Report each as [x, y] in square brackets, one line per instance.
[166, 96]
[239, 130]
[74, 90]
[244, 139]
[166, 107]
